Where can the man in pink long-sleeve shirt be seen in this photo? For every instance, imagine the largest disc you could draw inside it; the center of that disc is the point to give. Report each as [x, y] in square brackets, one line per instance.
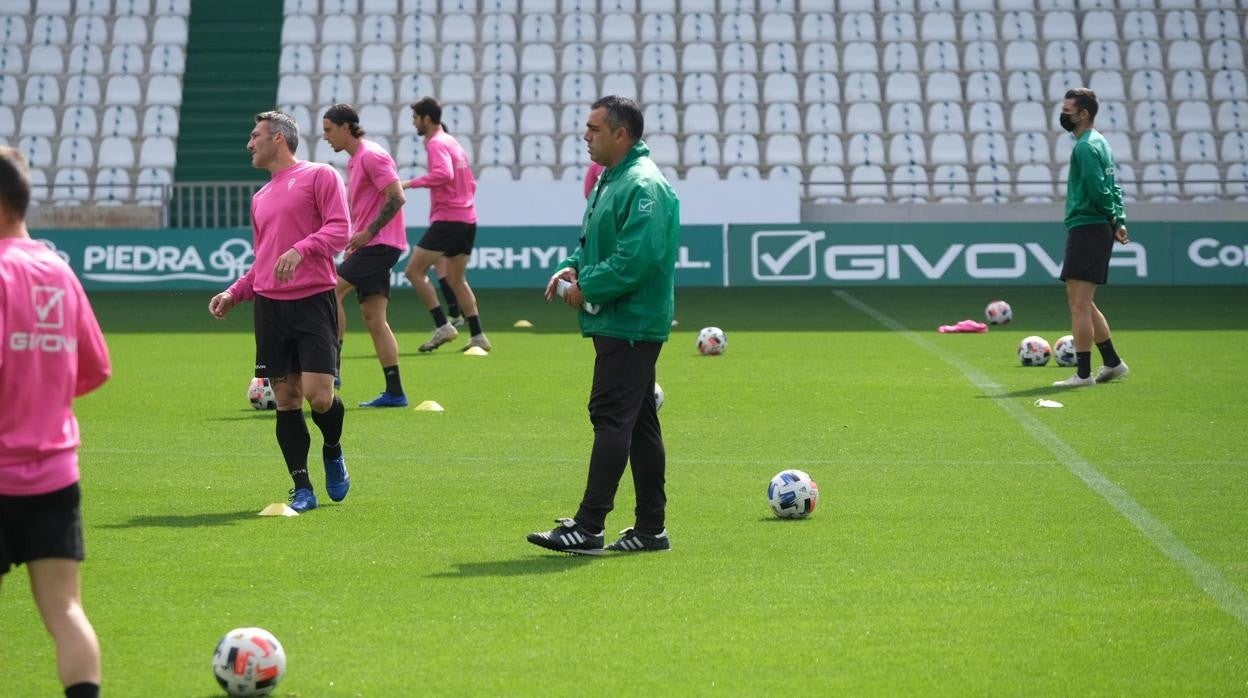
[299, 222]
[452, 226]
[52, 351]
[375, 196]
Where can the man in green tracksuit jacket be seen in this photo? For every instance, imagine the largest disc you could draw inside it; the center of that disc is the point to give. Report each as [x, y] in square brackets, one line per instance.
[620, 280]
[1094, 219]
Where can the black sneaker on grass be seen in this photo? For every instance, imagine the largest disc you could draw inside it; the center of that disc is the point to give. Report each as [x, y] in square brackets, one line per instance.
[568, 537]
[631, 541]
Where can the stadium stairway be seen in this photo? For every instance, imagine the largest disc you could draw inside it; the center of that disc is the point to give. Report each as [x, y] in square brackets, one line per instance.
[231, 74]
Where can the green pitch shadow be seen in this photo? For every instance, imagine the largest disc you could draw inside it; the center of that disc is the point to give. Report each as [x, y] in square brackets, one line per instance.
[519, 567]
[184, 520]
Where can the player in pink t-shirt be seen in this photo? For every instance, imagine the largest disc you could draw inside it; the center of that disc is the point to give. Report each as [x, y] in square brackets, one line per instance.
[52, 352]
[375, 196]
[300, 222]
[452, 226]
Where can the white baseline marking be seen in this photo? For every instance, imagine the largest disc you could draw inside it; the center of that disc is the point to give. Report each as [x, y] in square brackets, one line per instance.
[1231, 598]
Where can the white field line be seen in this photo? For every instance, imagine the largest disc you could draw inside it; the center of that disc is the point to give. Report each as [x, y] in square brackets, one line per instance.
[1231, 598]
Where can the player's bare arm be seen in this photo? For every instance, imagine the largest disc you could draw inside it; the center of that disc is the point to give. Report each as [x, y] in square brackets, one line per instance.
[394, 203]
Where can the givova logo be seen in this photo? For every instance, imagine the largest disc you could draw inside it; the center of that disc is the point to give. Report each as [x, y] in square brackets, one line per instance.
[48, 302]
[796, 255]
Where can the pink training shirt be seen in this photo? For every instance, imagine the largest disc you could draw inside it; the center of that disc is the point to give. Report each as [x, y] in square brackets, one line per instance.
[591, 177]
[53, 351]
[305, 207]
[369, 172]
[449, 180]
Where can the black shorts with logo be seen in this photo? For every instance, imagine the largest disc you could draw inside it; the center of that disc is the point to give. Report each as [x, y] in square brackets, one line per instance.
[1088, 248]
[41, 526]
[296, 336]
[368, 269]
[451, 238]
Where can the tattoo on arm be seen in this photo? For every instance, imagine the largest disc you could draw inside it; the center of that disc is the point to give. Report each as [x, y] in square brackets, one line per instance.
[391, 207]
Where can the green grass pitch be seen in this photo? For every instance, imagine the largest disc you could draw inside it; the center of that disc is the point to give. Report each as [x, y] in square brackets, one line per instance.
[952, 552]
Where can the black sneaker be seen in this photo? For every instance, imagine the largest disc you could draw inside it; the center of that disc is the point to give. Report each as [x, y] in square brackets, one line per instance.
[633, 542]
[568, 537]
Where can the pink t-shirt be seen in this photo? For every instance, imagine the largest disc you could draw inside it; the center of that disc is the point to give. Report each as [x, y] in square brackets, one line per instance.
[449, 180]
[369, 172]
[591, 177]
[53, 351]
[305, 207]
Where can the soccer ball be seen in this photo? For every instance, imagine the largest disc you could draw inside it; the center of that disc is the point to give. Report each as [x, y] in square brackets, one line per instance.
[249, 662]
[658, 397]
[260, 392]
[999, 313]
[1033, 351]
[1064, 351]
[712, 341]
[792, 494]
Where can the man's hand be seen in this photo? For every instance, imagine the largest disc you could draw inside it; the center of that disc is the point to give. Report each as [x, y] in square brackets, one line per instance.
[221, 304]
[360, 239]
[286, 264]
[1121, 235]
[573, 297]
[568, 274]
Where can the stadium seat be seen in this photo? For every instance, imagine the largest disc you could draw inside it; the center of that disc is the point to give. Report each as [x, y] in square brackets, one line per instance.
[1024, 86]
[1237, 181]
[1028, 116]
[662, 118]
[946, 117]
[910, 184]
[898, 57]
[1198, 146]
[782, 150]
[44, 90]
[1107, 84]
[458, 27]
[1235, 147]
[459, 88]
[818, 26]
[1160, 182]
[334, 89]
[1202, 182]
[943, 87]
[820, 57]
[577, 87]
[501, 87]
[865, 149]
[663, 149]
[1022, 55]
[1194, 116]
[826, 118]
[1035, 183]
[783, 117]
[621, 58]
[749, 172]
[579, 27]
[8, 124]
[498, 118]
[498, 28]
[940, 56]
[857, 26]
[539, 28]
[739, 87]
[1102, 55]
[377, 120]
[981, 55]
[537, 150]
[13, 29]
[824, 149]
[864, 117]
[417, 29]
[157, 151]
[45, 60]
[658, 58]
[377, 58]
[337, 58]
[37, 149]
[868, 184]
[37, 120]
[989, 149]
[1154, 146]
[985, 116]
[860, 87]
[993, 184]
[572, 151]
[1144, 55]
[1188, 84]
[948, 149]
[539, 119]
[1226, 54]
[70, 187]
[656, 28]
[1099, 24]
[575, 58]
[741, 118]
[907, 149]
[51, 29]
[860, 56]
[153, 186]
[898, 26]
[416, 58]
[1233, 116]
[978, 25]
[116, 151]
[1229, 85]
[903, 117]
[779, 27]
[698, 87]
[170, 29]
[1180, 24]
[703, 149]
[777, 58]
[1062, 55]
[540, 58]
[164, 89]
[295, 58]
[698, 27]
[119, 120]
[738, 26]
[1031, 148]
[1018, 26]
[827, 184]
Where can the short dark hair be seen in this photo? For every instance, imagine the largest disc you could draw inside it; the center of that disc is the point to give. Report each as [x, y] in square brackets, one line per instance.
[622, 112]
[1084, 99]
[14, 182]
[283, 123]
[345, 114]
[430, 107]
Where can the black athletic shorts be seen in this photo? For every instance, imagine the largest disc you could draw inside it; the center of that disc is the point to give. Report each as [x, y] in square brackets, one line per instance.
[368, 269]
[296, 336]
[41, 526]
[1088, 248]
[451, 238]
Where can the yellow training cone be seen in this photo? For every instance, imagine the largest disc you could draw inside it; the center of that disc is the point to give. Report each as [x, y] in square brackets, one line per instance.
[475, 351]
[278, 509]
[523, 324]
[429, 406]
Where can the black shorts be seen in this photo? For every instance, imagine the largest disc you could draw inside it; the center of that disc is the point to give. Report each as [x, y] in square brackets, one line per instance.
[368, 270]
[296, 336]
[451, 238]
[41, 526]
[1088, 248]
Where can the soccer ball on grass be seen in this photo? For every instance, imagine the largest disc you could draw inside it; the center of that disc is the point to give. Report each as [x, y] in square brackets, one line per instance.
[260, 392]
[249, 662]
[1034, 351]
[658, 397]
[999, 313]
[712, 341]
[792, 494]
[1064, 351]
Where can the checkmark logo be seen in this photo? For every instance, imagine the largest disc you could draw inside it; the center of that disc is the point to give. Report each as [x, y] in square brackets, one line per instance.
[49, 306]
[645, 205]
[785, 255]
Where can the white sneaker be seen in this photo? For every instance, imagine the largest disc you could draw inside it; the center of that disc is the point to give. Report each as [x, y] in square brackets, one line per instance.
[457, 321]
[1109, 373]
[442, 335]
[1074, 382]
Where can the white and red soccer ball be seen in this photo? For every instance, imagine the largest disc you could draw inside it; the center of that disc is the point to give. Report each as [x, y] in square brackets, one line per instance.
[712, 341]
[260, 393]
[1034, 351]
[249, 662]
[1064, 351]
[999, 313]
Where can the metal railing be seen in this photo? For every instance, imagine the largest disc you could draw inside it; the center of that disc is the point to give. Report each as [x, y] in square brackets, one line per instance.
[211, 204]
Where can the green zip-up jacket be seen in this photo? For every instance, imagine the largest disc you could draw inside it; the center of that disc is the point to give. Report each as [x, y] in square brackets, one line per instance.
[627, 258]
[1092, 196]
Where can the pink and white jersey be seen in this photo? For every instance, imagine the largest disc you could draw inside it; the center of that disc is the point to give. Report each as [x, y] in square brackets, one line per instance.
[305, 207]
[591, 177]
[53, 352]
[451, 185]
[369, 172]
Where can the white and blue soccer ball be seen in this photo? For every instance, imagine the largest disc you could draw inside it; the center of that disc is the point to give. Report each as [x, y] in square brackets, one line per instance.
[249, 662]
[712, 341]
[1034, 351]
[999, 313]
[658, 397]
[1064, 351]
[260, 393]
[792, 494]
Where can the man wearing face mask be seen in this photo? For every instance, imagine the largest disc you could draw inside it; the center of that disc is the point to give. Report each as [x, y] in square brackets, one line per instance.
[1094, 220]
